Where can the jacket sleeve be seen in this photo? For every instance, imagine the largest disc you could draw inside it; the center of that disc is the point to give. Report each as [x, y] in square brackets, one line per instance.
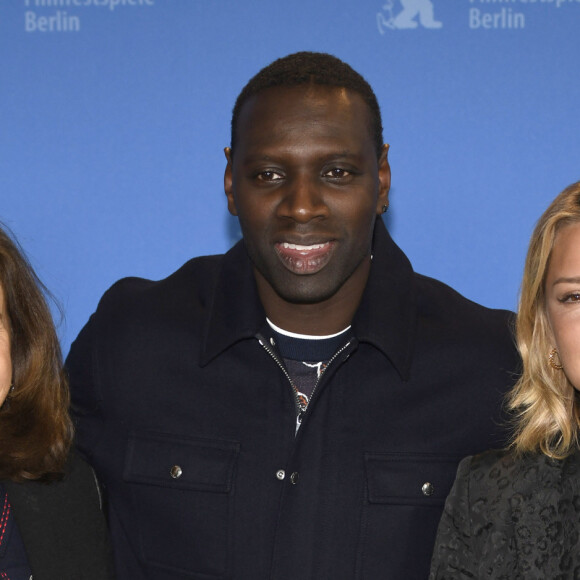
[454, 556]
[86, 398]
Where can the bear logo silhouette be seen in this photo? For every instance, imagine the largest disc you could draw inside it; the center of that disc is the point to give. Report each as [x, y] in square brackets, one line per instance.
[407, 17]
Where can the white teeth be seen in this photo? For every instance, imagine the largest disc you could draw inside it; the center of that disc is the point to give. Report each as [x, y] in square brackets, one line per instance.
[302, 248]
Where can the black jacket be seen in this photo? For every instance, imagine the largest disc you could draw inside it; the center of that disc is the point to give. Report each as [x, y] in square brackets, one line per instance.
[511, 519]
[171, 373]
[62, 526]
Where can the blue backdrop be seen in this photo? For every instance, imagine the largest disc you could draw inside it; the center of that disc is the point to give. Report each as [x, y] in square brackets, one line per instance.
[114, 115]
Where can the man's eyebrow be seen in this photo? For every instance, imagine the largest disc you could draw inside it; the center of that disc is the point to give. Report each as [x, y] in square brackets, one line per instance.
[564, 280]
[343, 153]
[252, 157]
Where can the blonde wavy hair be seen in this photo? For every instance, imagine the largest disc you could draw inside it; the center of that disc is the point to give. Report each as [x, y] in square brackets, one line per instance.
[546, 405]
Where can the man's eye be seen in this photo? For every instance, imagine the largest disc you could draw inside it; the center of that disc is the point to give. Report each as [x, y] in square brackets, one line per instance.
[337, 173]
[269, 176]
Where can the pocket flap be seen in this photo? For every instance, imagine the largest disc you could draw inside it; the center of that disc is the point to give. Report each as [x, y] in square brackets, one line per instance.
[409, 478]
[180, 462]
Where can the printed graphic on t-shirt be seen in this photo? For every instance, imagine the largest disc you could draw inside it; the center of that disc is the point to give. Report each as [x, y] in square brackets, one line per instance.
[304, 376]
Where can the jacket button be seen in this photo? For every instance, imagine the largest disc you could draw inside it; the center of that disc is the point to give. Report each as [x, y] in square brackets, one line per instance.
[176, 472]
[428, 489]
[280, 474]
[294, 478]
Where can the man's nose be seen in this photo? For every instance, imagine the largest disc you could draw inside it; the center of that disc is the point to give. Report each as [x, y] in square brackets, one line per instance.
[303, 200]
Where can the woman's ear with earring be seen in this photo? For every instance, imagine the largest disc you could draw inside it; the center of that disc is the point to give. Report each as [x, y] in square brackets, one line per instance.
[554, 360]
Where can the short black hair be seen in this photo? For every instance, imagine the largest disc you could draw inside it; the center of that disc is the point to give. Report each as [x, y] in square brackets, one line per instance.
[311, 68]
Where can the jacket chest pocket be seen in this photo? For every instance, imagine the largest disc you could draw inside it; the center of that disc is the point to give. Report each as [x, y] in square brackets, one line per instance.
[404, 498]
[182, 493]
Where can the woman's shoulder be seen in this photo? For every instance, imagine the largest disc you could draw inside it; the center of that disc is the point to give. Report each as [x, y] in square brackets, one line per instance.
[77, 485]
[510, 516]
[501, 473]
[62, 525]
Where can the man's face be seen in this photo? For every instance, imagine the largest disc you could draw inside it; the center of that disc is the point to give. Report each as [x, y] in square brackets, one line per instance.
[306, 185]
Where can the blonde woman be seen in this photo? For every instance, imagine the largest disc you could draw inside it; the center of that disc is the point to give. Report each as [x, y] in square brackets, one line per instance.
[516, 514]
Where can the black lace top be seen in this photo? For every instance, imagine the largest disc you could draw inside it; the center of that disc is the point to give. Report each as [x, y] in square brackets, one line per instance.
[509, 518]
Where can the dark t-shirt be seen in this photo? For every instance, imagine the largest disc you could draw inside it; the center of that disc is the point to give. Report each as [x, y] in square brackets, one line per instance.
[306, 360]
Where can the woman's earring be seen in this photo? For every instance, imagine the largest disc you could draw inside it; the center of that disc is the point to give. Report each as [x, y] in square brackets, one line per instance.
[554, 360]
[385, 207]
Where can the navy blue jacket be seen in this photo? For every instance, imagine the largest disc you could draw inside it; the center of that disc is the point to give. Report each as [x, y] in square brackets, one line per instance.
[190, 425]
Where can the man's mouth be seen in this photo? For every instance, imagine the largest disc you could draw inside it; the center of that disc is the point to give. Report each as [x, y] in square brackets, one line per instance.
[304, 259]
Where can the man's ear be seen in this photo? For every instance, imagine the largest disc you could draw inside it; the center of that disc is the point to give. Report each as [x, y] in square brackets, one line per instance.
[384, 180]
[228, 182]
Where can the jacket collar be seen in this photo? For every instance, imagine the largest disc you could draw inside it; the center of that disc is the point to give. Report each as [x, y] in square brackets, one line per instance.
[387, 313]
[236, 312]
[385, 318]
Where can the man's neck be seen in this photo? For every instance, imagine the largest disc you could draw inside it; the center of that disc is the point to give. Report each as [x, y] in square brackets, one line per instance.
[297, 335]
[310, 319]
[322, 318]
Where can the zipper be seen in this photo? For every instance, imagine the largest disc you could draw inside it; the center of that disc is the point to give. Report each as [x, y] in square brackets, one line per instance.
[299, 406]
[264, 344]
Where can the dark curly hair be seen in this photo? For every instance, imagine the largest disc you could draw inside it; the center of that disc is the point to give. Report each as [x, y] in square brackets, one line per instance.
[317, 68]
[35, 428]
